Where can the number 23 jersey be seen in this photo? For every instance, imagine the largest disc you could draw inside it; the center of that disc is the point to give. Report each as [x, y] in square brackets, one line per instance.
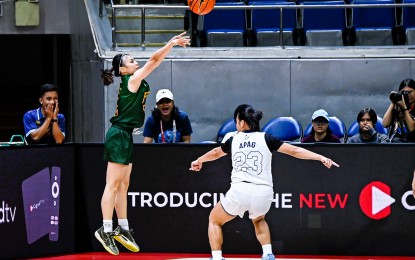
[252, 156]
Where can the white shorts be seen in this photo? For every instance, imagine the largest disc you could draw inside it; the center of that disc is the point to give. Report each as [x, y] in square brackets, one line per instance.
[241, 197]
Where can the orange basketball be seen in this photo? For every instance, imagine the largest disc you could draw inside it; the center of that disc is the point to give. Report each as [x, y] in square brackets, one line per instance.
[201, 7]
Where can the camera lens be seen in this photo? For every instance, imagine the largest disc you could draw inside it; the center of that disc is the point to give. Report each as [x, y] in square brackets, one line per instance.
[395, 96]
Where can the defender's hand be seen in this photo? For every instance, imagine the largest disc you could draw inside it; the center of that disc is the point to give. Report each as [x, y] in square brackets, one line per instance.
[195, 166]
[328, 162]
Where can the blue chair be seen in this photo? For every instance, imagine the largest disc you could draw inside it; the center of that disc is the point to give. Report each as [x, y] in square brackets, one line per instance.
[228, 126]
[323, 1]
[285, 128]
[373, 26]
[207, 142]
[354, 128]
[265, 23]
[337, 127]
[224, 27]
[408, 22]
[324, 26]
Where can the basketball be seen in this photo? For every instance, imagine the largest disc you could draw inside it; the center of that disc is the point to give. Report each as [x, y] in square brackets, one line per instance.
[201, 7]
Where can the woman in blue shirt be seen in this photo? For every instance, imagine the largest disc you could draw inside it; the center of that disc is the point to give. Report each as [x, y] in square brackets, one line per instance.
[167, 123]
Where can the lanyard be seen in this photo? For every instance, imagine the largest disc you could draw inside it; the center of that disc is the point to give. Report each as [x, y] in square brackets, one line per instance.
[38, 117]
[163, 140]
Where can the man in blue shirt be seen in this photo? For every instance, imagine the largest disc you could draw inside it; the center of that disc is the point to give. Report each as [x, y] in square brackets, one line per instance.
[167, 124]
[45, 125]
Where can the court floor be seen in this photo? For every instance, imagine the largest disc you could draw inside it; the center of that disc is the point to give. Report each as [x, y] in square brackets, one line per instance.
[183, 256]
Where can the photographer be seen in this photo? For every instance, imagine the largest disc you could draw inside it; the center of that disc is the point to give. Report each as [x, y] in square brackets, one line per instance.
[400, 116]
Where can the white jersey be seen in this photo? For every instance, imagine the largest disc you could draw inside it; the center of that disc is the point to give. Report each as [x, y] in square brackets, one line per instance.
[251, 159]
[228, 135]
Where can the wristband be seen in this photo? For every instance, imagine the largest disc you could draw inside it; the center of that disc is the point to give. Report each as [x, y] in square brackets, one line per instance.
[54, 120]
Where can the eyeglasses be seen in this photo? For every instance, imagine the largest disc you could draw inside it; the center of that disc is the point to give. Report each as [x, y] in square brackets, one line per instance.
[318, 122]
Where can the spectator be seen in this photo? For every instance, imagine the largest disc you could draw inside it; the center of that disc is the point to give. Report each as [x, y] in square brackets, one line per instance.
[167, 124]
[320, 131]
[400, 116]
[45, 125]
[367, 119]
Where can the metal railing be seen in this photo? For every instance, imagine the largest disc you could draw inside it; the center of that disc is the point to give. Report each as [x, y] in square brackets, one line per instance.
[246, 7]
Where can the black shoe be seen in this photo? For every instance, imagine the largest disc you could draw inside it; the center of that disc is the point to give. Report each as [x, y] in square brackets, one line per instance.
[107, 241]
[126, 239]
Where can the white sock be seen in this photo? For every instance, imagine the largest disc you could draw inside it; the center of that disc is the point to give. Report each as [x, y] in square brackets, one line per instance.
[217, 255]
[123, 222]
[266, 249]
[107, 223]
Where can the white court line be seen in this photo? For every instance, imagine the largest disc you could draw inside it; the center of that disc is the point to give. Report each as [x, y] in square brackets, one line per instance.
[231, 258]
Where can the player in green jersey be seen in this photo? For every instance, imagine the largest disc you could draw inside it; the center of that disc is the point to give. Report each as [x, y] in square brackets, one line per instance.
[129, 114]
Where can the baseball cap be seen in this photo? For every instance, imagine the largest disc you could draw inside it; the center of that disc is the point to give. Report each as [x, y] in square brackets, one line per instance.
[164, 93]
[320, 113]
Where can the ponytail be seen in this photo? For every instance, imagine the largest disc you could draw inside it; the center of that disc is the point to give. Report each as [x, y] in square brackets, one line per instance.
[249, 115]
[107, 76]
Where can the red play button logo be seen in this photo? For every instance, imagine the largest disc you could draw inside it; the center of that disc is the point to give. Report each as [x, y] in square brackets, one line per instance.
[375, 200]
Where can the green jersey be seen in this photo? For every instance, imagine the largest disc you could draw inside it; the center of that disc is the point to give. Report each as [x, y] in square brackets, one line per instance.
[130, 112]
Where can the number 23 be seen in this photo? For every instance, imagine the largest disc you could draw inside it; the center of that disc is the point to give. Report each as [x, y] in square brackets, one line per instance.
[251, 161]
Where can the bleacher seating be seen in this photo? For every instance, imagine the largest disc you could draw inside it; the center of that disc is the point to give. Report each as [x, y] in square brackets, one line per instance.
[323, 1]
[227, 127]
[266, 24]
[223, 27]
[408, 22]
[284, 128]
[310, 26]
[324, 26]
[373, 26]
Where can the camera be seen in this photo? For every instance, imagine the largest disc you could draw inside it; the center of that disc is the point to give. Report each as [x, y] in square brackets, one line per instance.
[397, 96]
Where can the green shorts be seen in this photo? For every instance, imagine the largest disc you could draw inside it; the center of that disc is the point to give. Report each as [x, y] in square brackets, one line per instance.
[118, 145]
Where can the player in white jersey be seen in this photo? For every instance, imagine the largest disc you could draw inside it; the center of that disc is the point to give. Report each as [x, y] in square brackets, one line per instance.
[251, 181]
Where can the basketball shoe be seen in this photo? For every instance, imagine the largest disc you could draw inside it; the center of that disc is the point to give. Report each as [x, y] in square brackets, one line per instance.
[125, 237]
[268, 257]
[107, 241]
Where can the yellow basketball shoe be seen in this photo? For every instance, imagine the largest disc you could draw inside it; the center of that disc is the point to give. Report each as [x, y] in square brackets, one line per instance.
[125, 237]
[107, 241]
